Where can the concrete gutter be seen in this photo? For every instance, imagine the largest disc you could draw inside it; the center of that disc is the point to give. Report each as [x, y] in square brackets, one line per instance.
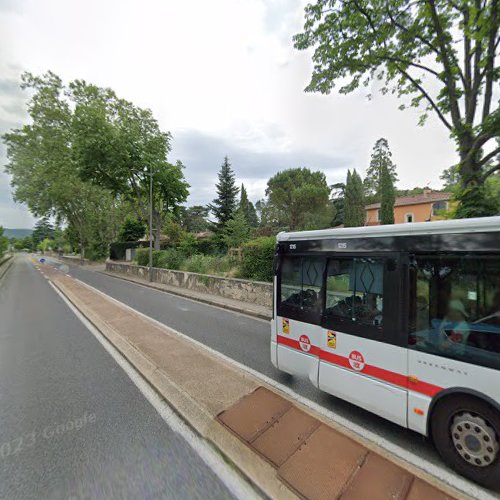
[202, 387]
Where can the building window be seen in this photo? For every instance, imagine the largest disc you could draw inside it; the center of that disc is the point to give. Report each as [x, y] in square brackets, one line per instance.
[438, 206]
[378, 215]
[408, 217]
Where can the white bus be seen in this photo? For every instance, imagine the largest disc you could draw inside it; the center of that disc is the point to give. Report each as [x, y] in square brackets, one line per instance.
[404, 321]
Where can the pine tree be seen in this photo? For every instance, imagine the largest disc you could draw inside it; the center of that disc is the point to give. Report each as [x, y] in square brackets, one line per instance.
[248, 209]
[354, 208]
[236, 230]
[381, 156]
[387, 196]
[224, 206]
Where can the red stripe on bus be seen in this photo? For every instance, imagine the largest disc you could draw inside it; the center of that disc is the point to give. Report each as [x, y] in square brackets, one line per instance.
[370, 370]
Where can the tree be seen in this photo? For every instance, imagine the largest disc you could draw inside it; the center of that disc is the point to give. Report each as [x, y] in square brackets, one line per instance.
[338, 202]
[381, 159]
[194, 219]
[248, 209]
[132, 229]
[237, 230]
[297, 196]
[440, 55]
[41, 160]
[118, 145]
[354, 209]
[4, 243]
[387, 196]
[43, 230]
[224, 206]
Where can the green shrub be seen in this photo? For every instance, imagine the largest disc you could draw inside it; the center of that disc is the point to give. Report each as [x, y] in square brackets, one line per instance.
[257, 259]
[142, 256]
[170, 259]
[197, 263]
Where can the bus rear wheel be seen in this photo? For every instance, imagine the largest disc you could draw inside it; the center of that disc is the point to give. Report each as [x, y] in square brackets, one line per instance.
[466, 433]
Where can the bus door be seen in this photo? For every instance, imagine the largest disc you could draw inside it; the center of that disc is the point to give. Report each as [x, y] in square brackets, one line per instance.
[363, 359]
[299, 305]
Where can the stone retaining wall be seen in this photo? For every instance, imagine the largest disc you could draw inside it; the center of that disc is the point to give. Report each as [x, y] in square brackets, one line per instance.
[255, 292]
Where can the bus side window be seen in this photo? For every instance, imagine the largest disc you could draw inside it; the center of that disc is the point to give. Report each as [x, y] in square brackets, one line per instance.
[301, 287]
[455, 307]
[354, 291]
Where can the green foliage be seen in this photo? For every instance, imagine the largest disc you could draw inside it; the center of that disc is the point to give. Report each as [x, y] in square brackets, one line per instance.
[236, 230]
[248, 209]
[4, 242]
[142, 256]
[476, 201]
[257, 259]
[132, 229]
[298, 195]
[381, 159]
[194, 219]
[387, 196]
[354, 209]
[440, 57]
[338, 203]
[224, 206]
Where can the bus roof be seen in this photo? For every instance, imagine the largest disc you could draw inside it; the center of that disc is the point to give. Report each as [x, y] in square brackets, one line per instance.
[457, 226]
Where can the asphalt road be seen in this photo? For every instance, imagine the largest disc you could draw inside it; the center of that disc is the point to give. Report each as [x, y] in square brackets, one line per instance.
[245, 340]
[72, 423]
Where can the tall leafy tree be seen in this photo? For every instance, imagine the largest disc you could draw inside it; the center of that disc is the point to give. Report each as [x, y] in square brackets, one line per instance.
[381, 160]
[42, 163]
[387, 196]
[132, 229]
[43, 230]
[299, 197]
[119, 145]
[354, 207]
[440, 56]
[224, 206]
[247, 207]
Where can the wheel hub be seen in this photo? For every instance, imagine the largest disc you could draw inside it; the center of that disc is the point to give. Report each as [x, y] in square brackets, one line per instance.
[474, 439]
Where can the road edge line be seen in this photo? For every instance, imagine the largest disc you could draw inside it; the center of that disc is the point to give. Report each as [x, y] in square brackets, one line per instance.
[231, 476]
[432, 473]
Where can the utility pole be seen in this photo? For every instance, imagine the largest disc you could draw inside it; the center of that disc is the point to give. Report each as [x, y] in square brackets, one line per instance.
[150, 224]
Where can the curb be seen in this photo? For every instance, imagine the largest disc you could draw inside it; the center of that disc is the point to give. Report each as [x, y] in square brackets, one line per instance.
[261, 475]
[229, 307]
[256, 471]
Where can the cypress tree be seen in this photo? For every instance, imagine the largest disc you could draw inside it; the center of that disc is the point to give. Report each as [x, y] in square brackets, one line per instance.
[248, 209]
[381, 157]
[354, 208]
[224, 206]
[387, 196]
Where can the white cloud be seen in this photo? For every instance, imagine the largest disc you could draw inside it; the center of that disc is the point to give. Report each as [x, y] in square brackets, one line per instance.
[225, 70]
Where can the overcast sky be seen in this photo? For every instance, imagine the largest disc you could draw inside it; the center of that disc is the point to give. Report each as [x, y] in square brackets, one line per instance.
[222, 76]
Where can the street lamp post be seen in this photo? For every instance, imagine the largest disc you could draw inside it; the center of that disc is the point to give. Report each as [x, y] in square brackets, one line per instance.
[150, 225]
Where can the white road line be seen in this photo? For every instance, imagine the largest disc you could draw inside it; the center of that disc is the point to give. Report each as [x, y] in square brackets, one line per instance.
[231, 479]
[454, 480]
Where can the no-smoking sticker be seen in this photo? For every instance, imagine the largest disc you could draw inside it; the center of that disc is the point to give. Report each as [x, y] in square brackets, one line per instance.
[356, 361]
[305, 343]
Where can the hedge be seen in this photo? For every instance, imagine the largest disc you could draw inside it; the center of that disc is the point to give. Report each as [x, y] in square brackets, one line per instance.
[257, 259]
[117, 248]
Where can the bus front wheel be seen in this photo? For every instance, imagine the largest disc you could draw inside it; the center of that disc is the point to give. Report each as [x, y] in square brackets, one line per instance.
[466, 433]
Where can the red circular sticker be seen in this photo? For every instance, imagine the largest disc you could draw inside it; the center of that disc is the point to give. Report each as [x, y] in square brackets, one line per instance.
[305, 343]
[356, 361]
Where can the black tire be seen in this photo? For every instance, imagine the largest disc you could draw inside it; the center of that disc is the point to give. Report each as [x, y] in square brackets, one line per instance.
[445, 415]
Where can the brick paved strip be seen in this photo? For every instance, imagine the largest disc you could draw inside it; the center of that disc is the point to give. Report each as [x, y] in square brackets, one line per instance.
[285, 449]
